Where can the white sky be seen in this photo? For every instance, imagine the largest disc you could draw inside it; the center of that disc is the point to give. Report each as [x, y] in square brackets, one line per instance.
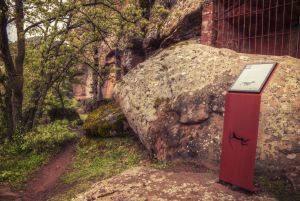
[12, 34]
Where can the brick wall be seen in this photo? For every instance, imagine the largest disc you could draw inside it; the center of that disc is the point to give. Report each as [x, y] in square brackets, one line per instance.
[207, 27]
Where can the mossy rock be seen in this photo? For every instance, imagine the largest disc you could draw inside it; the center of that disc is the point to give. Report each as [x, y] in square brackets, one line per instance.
[106, 121]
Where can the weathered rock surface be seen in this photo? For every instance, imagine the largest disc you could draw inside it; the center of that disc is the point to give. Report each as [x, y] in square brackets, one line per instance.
[171, 22]
[143, 183]
[174, 101]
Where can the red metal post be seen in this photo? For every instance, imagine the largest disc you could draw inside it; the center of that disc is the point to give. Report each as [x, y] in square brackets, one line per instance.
[290, 39]
[233, 16]
[244, 31]
[283, 24]
[298, 38]
[228, 25]
[269, 26]
[262, 28]
[223, 24]
[250, 26]
[256, 14]
[218, 43]
[239, 25]
[276, 19]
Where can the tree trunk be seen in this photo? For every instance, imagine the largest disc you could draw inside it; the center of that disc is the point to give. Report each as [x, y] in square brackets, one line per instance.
[120, 70]
[9, 114]
[18, 80]
[14, 71]
[39, 105]
[37, 100]
[60, 96]
[95, 75]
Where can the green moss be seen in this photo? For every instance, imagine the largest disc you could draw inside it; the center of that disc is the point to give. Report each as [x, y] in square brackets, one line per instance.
[280, 188]
[104, 121]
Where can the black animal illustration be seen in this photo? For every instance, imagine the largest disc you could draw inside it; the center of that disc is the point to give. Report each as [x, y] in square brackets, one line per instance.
[243, 140]
[248, 83]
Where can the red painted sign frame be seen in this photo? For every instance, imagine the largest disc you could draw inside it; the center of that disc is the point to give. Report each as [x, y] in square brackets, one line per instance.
[241, 122]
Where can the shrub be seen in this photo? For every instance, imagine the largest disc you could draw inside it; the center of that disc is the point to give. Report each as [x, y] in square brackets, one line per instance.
[105, 121]
[58, 113]
[47, 137]
[18, 161]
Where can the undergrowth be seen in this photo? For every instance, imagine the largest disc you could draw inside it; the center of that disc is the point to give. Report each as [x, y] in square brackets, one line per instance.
[103, 157]
[100, 158]
[20, 159]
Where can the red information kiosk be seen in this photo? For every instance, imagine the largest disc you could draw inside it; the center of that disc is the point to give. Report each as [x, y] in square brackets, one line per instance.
[241, 121]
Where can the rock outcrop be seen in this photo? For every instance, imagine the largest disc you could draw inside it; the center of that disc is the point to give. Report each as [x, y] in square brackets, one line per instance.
[171, 22]
[144, 183]
[174, 101]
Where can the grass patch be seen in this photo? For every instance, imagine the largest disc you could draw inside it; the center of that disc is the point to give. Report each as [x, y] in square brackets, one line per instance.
[16, 168]
[103, 157]
[161, 165]
[100, 158]
[19, 160]
[280, 188]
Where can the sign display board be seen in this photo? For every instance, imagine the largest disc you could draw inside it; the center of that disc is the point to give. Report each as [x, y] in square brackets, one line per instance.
[253, 78]
[241, 123]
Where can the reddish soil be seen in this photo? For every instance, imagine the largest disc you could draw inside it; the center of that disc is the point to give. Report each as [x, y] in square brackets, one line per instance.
[47, 177]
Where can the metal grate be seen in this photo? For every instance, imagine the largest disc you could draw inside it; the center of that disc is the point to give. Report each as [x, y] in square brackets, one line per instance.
[269, 27]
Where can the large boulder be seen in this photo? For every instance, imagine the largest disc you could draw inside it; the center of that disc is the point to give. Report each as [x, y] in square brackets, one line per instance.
[174, 101]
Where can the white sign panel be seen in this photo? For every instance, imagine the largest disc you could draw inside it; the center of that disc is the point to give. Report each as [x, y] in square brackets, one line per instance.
[253, 78]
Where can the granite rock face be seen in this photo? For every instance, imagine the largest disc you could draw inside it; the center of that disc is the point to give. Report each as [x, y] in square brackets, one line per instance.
[171, 22]
[174, 101]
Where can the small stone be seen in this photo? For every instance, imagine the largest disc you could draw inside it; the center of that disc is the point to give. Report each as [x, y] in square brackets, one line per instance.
[215, 108]
[291, 156]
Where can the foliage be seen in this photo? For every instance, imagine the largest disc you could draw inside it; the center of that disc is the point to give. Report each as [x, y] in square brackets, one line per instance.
[104, 121]
[100, 158]
[18, 162]
[103, 157]
[58, 113]
[16, 167]
[48, 137]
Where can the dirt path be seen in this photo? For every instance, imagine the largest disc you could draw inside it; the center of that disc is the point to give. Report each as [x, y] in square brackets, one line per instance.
[47, 177]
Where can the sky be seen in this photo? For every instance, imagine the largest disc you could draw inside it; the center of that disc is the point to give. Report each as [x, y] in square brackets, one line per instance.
[12, 34]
